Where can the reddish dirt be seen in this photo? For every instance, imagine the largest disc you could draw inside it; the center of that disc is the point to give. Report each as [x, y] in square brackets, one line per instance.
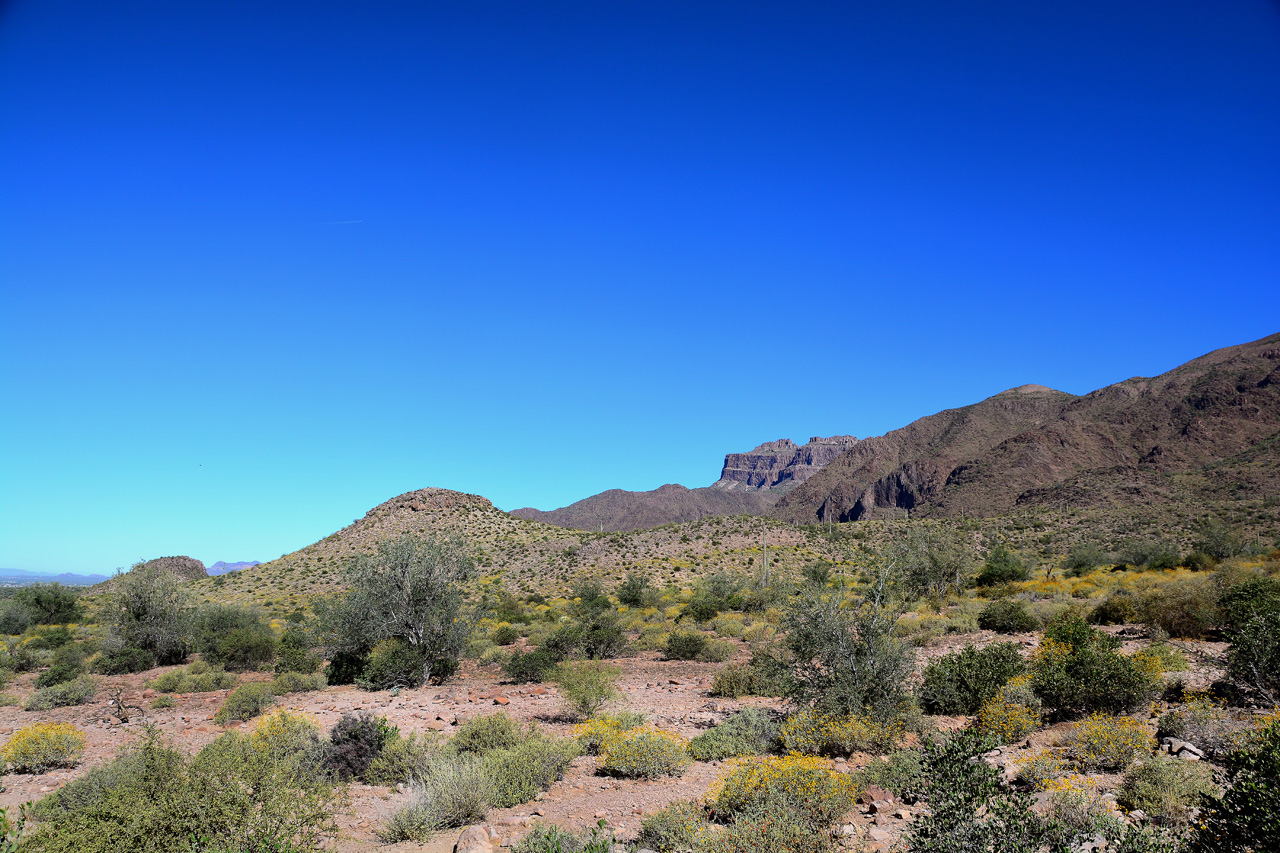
[674, 695]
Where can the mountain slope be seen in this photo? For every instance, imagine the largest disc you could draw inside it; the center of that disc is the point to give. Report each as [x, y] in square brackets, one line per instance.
[1136, 442]
[617, 509]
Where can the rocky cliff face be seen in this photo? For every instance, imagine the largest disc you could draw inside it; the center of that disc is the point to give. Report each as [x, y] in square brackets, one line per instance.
[780, 466]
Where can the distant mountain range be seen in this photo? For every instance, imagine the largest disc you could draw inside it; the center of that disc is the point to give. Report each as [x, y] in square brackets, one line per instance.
[18, 577]
[1201, 431]
[221, 568]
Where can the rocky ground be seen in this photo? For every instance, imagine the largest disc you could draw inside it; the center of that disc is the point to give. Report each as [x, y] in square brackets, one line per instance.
[674, 695]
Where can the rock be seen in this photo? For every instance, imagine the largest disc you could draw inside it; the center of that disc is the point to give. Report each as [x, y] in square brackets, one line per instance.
[782, 461]
[474, 839]
[501, 700]
[875, 833]
[881, 819]
[902, 814]
[848, 830]
[872, 793]
[1137, 815]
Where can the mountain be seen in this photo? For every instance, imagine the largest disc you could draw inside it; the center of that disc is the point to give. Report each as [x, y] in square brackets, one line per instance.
[1204, 429]
[19, 577]
[749, 484]
[617, 509]
[780, 465]
[221, 567]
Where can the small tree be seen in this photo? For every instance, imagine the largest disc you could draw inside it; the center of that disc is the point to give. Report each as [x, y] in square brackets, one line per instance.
[932, 562]
[410, 591]
[152, 611]
[844, 658]
[51, 603]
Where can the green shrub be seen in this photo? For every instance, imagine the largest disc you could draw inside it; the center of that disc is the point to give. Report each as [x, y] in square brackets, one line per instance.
[504, 634]
[530, 667]
[124, 659]
[245, 702]
[1167, 789]
[1007, 616]
[1001, 566]
[587, 685]
[1246, 816]
[644, 753]
[1119, 608]
[1084, 558]
[739, 679]
[161, 702]
[1042, 769]
[770, 825]
[452, 792]
[751, 731]
[716, 650]
[238, 638]
[67, 663]
[1243, 601]
[41, 746]
[1107, 743]
[959, 683]
[78, 691]
[151, 797]
[901, 772]
[674, 828]
[198, 677]
[294, 653]
[482, 735]
[355, 741]
[1253, 660]
[291, 681]
[636, 591]
[550, 838]
[402, 759]
[1077, 670]
[684, 645]
[1185, 609]
[518, 775]
[393, 663]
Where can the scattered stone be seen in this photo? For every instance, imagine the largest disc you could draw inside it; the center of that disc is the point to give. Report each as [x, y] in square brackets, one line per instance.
[474, 839]
[501, 700]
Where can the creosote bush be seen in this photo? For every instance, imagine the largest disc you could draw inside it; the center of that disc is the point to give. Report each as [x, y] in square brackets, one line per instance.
[198, 677]
[78, 691]
[1077, 670]
[42, 746]
[485, 734]
[644, 753]
[403, 758]
[684, 645]
[959, 683]
[676, 827]
[245, 702]
[751, 731]
[587, 685]
[1007, 616]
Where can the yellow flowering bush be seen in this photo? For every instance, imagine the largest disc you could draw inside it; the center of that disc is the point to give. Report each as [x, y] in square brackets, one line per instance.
[1042, 770]
[40, 746]
[644, 753]
[1013, 713]
[283, 732]
[1107, 743]
[815, 733]
[810, 783]
[594, 732]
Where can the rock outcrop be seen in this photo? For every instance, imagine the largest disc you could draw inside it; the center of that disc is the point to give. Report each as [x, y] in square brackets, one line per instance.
[617, 509]
[780, 465]
[187, 568]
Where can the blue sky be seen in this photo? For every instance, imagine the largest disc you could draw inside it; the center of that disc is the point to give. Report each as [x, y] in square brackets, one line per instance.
[266, 265]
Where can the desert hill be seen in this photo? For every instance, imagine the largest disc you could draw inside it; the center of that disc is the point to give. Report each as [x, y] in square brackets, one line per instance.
[749, 484]
[616, 509]
[1144, 441]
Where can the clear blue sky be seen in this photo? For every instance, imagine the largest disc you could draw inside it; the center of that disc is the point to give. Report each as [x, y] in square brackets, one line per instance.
[265, 265]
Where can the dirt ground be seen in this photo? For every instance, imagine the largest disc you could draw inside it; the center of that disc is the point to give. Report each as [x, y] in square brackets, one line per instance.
[675, 695]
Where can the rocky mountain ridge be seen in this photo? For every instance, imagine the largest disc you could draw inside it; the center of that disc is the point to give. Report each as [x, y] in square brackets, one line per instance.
[780, 465]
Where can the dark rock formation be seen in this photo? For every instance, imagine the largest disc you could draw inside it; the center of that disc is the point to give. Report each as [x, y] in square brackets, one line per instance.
[617, 509]
[780, 465]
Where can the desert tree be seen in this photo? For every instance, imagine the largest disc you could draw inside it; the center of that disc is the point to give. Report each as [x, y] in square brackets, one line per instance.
[930, 561]
[841, 653]
[409, 593]
[151, 611]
